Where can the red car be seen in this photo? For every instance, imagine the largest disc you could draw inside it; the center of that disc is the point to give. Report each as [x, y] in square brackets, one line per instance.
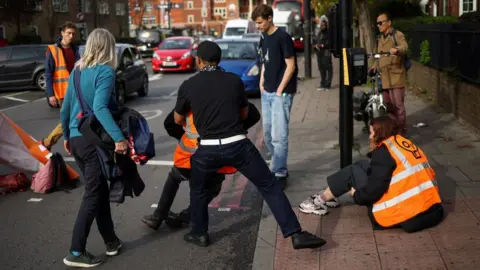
[174, 54]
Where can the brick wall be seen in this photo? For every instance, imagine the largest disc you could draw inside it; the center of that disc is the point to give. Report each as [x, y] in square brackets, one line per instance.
[453, 95]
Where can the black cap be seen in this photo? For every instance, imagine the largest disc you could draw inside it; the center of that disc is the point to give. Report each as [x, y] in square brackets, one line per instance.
[209, 51]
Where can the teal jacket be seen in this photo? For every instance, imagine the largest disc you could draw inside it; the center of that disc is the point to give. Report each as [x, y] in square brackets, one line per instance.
[98, 86]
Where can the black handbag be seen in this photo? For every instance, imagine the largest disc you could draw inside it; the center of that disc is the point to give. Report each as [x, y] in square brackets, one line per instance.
[88, 124]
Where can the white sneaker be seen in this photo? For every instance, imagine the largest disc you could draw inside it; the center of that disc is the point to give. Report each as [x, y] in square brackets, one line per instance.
[332, 203]
[313, 206]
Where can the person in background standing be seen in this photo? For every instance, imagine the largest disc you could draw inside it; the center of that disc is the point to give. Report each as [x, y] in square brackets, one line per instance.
[324, 57]
[278, 85]
[61, 58]
[392, 70]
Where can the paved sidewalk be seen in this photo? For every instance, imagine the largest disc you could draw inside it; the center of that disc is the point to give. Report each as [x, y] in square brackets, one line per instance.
[351, 243]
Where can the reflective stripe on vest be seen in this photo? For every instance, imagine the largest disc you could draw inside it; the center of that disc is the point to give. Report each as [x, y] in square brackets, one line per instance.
[61, 74]
[184, 149]
[408, 181]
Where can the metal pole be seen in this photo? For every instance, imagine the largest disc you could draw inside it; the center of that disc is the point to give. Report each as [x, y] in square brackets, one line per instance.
[308, 38]
[346, 92]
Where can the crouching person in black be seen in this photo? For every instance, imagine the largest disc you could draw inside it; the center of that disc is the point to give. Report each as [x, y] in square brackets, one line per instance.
[187, 145]
[218, 110]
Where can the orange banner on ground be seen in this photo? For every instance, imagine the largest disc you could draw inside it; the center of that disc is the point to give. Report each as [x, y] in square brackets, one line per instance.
[21, 151]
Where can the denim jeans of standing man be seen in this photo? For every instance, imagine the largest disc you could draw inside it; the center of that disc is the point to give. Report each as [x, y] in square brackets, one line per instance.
[276, 117]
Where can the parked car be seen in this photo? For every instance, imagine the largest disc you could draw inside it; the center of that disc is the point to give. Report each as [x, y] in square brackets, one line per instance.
[149, 39]
[240, 56]
[174, 54]
[22, 66]
[132, 76]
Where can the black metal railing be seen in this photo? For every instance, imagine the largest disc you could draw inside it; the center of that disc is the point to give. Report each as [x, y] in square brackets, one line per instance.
[453, 47]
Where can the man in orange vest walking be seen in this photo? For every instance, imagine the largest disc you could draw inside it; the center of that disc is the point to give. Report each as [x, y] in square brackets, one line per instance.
[60, 60]
[181, 170]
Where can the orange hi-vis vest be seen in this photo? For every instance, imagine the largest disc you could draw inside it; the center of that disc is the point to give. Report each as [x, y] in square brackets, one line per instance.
[413, 188]
[187, 146]
[61, 74]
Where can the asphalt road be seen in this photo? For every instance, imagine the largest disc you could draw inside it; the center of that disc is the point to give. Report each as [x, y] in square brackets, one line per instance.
[37, 235]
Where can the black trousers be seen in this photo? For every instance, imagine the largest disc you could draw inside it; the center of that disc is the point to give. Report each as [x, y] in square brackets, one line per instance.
[95, 202]
[244, 156]
[170, 189]
[325, 67]
[356, 176]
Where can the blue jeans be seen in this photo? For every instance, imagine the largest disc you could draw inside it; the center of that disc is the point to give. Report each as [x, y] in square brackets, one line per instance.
[245, 157]
[276, 116]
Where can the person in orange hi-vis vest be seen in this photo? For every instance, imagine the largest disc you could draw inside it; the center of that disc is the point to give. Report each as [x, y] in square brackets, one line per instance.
[60, 60]
[181, 170]
[398, 185]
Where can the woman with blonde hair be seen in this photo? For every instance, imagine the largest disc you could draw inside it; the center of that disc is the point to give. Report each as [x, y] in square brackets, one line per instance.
[397, 185]
[97, 85]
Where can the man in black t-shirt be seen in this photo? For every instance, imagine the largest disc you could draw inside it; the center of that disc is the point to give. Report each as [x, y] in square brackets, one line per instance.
[219, 105]
[278, 85]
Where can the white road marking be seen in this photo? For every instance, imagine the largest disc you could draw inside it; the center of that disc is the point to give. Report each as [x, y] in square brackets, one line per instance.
[154, 205]
[173, 93]
[20, 105]
[15, 99]
[16, 94]
[155, 77]
[150, 162]
[149, 115]
[35, 200]
[224, 209]
[160, 98]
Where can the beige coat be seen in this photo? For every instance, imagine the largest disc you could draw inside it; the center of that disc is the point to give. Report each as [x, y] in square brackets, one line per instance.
[393, 73]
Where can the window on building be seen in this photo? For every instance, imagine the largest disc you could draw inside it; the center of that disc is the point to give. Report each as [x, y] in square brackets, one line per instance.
[60, 5]
[145, 20]
[190, 5]
[153, 20]
[220, 12]
[220, 1]
[2, 32]
[190, 18]
[148, 7]
[467, 6]
[33, 5]
[120, 9]
[244, 15]
[86, 6]
[103, 8]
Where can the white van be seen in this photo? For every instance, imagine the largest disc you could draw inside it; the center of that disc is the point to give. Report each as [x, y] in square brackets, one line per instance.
[237, 28]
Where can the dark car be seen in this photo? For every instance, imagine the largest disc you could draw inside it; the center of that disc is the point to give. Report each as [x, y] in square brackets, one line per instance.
[22, 66]
[149, 39]
[132, 76]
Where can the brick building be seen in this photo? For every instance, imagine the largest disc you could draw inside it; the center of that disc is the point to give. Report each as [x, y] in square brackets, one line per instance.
[149, 14]
[49, 15]
[452, 7]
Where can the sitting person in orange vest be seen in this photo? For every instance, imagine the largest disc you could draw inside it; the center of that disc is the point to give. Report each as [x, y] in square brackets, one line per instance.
[186, 147]
[398, 185]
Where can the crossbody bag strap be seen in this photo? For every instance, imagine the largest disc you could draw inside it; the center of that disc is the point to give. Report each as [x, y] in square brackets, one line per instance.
[78, 90]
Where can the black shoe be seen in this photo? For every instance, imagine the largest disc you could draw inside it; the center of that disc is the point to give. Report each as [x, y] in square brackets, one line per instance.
[177, 221]
[282, 180]
[305, 239]
[152, 221]
[201, 240]
[84, 260]
[114, 247]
